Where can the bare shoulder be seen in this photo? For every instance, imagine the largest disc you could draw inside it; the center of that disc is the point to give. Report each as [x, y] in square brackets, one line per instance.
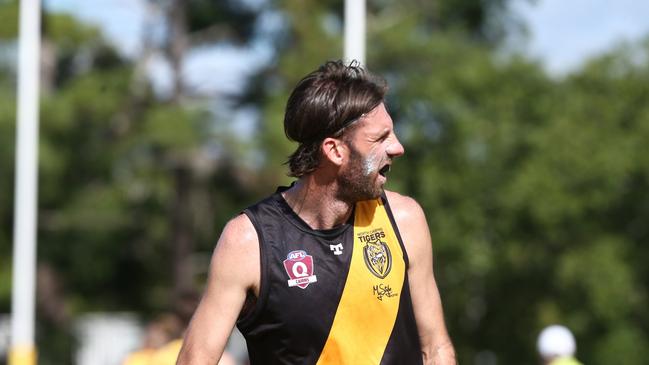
[239, 232]
[411, 220]
[404, 208]
[237, 252]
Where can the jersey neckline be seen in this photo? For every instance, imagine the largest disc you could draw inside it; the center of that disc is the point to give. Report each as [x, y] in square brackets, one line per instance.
[299, 223]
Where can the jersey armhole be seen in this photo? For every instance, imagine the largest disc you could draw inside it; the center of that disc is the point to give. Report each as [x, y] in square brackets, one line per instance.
[248, 319]
[388, 210]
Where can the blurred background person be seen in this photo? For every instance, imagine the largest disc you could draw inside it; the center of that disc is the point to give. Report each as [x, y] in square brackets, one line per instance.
[157, 334]
[557, 346]
[163, 336]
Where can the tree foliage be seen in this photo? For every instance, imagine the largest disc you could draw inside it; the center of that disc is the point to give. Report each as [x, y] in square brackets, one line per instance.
[534, 187]
[112, 160]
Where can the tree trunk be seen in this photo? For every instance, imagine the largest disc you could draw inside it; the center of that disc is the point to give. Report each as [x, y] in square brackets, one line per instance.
[183, 237]
[177, 44]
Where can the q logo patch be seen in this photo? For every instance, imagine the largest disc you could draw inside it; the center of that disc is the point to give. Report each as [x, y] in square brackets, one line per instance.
[299, 267]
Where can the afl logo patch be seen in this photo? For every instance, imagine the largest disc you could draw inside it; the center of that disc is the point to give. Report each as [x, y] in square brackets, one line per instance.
[299, 267]
[377, 258]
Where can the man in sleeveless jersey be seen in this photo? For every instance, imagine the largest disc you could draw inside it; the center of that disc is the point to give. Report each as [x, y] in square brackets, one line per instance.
[332, 269]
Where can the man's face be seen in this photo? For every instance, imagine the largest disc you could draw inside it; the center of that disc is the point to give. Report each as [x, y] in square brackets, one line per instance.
[372, 146]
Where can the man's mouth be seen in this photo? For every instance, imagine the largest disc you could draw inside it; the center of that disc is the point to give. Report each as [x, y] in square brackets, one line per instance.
[384, 170]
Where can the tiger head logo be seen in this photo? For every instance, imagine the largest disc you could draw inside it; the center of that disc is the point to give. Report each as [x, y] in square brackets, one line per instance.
[377, 258]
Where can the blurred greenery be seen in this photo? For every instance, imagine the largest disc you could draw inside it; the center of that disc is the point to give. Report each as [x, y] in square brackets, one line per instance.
[534, 186]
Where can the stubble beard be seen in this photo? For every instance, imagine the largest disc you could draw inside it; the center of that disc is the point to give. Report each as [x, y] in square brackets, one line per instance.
[358, 181]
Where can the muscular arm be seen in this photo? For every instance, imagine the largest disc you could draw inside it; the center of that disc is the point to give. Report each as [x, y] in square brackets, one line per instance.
[234, 270]
[436, 345]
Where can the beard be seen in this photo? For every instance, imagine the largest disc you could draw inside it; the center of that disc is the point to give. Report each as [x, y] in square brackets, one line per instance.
[358, 181]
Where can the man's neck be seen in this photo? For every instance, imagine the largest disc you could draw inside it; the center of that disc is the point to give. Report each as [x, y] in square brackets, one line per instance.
[317, 203]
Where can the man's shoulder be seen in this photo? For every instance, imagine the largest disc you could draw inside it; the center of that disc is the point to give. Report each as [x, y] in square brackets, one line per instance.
[412, 224]
[239, 231]
[236, 255]
[403, 207]
[242, 230]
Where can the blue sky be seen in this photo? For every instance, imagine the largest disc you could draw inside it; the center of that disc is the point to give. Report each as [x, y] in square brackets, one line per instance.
[566, 32]
[563, 33]
[209, 70]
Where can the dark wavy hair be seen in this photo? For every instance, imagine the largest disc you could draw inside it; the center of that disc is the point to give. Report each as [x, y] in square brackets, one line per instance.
[324, 104]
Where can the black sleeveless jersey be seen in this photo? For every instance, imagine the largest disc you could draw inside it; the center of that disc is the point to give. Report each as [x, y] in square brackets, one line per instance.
[337, 296]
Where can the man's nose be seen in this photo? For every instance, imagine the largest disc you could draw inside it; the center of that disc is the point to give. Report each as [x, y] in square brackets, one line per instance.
[395, 149]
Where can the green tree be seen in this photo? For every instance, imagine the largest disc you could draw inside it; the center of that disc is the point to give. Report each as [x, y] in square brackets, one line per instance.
[532, 186]
[122, 176]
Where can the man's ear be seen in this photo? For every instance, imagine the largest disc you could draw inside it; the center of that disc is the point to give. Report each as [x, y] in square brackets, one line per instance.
[334, 150]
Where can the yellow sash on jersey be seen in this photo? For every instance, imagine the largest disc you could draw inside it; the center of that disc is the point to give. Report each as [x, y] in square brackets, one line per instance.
[370, 300]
